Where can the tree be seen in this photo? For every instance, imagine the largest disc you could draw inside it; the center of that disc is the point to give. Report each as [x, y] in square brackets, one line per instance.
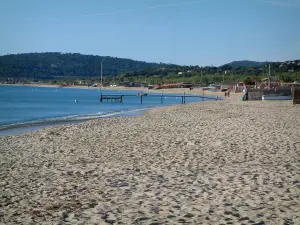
[247, 80]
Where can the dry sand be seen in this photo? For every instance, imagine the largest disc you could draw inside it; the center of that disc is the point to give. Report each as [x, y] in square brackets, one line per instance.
[222, 162]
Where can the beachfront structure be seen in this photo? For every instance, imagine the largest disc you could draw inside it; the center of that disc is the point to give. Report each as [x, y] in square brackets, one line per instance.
[296, 93]
[134, 84]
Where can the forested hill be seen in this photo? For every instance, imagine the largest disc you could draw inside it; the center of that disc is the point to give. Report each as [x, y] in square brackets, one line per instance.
[55, 64]
[59, 66]
[246, 63]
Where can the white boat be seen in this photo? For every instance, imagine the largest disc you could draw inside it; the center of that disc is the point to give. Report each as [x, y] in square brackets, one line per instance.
[276, 97]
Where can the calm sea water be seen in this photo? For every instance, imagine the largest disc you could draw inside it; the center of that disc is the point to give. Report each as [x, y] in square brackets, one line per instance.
[24, 108]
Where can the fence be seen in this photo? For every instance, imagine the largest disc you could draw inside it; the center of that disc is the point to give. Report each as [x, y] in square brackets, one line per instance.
[296, 93]
[256, 94]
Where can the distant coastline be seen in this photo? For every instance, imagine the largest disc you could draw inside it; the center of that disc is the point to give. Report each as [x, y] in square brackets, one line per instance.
[120, 88]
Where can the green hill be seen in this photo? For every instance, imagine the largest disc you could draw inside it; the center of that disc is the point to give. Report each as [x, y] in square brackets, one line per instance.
[70, 66]
[246, 63]
[54, 64]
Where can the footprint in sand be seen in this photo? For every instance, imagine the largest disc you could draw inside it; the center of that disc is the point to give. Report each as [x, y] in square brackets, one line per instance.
[218, 143]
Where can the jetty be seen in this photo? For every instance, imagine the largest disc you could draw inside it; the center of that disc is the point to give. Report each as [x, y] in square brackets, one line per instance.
[120, 98]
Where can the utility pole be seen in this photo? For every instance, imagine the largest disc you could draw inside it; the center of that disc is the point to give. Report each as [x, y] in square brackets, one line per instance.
[269, 76]
[265, 71]
[201, 76]
[101, 74]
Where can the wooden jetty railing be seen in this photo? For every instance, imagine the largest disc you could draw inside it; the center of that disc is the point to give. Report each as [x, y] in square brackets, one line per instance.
[120, 98]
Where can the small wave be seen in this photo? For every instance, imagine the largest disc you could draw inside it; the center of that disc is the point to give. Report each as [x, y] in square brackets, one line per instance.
[45, 121]
[123, 112]
[70, 118]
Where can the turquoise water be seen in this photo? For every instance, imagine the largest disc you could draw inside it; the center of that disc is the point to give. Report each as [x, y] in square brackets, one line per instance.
[34, 107]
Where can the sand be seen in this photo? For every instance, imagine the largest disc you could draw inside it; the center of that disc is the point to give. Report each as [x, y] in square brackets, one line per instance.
[221, 162]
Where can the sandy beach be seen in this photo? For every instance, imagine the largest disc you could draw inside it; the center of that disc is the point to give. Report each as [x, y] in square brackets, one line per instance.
[220, 162]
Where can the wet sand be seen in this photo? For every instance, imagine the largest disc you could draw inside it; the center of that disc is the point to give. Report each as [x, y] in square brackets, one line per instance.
[221, 162]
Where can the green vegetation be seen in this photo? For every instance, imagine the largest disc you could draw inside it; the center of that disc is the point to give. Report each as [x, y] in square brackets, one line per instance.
[51, 65]
[60, 68]
[286, 72]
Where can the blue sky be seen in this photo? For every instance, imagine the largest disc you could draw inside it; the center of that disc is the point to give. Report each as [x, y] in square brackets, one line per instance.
[189, 32]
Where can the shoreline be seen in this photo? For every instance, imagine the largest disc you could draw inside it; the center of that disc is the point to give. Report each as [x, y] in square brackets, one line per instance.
[29, 126]
[34, 125]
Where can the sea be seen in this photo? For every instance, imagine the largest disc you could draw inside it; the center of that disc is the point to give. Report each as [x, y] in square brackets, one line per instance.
[29, 108]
